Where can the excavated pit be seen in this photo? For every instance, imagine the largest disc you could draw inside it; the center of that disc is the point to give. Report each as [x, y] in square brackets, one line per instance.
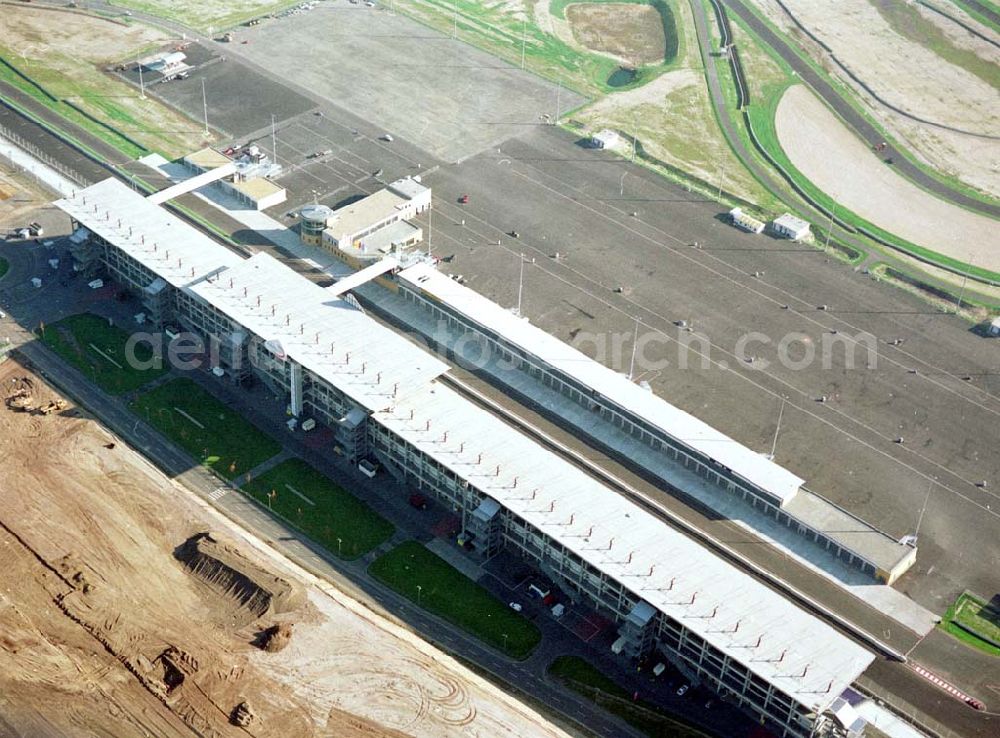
[219, 564]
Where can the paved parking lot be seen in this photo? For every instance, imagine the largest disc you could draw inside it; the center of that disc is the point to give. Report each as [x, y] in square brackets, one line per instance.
[443, 95]
[615, 267]
[326, 157]
[240, 99]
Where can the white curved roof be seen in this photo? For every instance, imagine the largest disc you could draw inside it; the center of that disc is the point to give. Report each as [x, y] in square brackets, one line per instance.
[752, 466]
[151, 235]
[753, 624]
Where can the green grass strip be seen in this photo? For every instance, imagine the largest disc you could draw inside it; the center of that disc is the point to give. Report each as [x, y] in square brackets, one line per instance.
[98, 349]
[324, 511]
[584, 678]
[971, 612]
[206, 428]
[437, 586]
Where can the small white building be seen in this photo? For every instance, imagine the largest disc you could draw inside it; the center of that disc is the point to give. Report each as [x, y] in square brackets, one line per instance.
[995, 326]
[788, 226]
[168, 65]
[415, 192]
[605, 139]
[745, 222]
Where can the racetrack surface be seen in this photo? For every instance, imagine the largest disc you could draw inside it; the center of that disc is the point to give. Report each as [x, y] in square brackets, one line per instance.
[833, 159]
[861, 126]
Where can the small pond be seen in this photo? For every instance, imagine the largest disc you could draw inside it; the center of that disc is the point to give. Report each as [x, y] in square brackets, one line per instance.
[622, 77]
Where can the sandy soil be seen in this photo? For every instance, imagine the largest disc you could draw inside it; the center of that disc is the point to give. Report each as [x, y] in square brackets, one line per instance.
[830, 155]
[18, 197]
[914, 79]
[631, 34]
[34, 32]
[103, 632]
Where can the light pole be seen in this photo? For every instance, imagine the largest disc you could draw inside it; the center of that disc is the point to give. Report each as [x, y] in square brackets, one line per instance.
[504, 641]
[520, 284]
[419, 591]
[829, 230]
[524, 22]
[965, 279]
[274, 140]
[635, 343]
[430, 231]
[204, 103]
[340, 542]
[774, 443]
[621, 185]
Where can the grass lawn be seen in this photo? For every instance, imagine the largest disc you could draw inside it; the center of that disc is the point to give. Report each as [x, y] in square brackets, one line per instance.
[63, 58]
[205, 14]
[584, 678]
[210, 431]
[4, 266]
[447, 592]
[970, 611]
[497, 29]
[98, 350]
[337, 520]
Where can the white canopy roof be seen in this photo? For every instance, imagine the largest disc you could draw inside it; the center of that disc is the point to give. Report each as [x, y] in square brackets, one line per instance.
[322, 332]
[746, 463]
[151, 235]
[798, 653]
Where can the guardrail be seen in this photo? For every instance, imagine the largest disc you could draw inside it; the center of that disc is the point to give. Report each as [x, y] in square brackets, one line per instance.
[41, 156]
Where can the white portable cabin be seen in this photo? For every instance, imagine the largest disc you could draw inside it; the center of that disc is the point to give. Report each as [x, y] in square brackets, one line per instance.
[604, 139]
[745, 222]
[788, 226]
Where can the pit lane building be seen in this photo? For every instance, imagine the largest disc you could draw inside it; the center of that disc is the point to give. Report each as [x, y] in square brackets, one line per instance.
[666, 437]
[386, 398]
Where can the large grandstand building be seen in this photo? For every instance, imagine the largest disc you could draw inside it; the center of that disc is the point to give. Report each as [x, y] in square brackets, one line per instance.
[670, 444]
[384, 398]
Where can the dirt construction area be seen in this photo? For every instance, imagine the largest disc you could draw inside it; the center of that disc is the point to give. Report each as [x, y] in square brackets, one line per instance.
[844, 168]
[129, 607]
[939, 85]
[632, 34]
